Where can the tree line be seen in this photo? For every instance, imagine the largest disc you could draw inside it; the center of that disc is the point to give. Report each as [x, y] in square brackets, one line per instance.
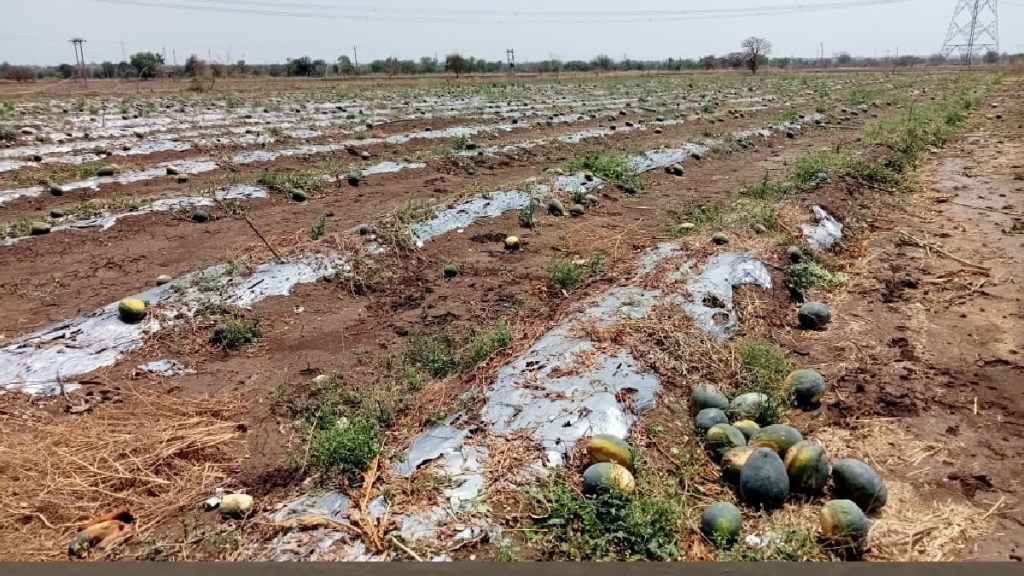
[754, 54]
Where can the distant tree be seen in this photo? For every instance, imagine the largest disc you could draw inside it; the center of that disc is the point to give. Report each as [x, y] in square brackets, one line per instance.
[241, 68]
[218, 70]
[428, 65]
[991, 57]
[108, 70]
[577, 66]
[936, 60]
[195, 66]
[603, 62]
[345, 65]
[66, 71]
[457, 64]
[147, 64]
[20, 73]
[300, 67]
[708, 62]
[319, 67]
[755, 51]
[844, 59]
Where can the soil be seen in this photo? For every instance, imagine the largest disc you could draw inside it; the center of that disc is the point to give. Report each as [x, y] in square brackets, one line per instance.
[919, 336]
[932, 334]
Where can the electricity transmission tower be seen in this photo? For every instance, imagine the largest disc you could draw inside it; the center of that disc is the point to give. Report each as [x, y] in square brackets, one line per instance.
[973, 31]
[79, 57]
[511, 54]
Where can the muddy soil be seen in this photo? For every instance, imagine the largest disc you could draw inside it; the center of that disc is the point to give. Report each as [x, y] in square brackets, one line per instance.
[931, 331]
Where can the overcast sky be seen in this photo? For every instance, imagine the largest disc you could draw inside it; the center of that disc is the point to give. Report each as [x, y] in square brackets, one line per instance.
[36, 31]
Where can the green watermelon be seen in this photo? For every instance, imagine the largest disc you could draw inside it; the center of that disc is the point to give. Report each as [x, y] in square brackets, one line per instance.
[721, 524]
[855, 480]
[764, 483]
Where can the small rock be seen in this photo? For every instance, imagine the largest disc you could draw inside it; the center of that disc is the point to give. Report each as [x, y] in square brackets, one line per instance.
[720, 239]
[107, 170]
[451, 270]
[512, 243]
[173, 171]
[56, 213]
[200, 216]
[352, 179]
[675, 170]
[55, 189]
[37, 158]
[163, 279]
[364, 229]
[795, 254]
[759, 228]
[39, 228]
[365, 155]
[299, 196]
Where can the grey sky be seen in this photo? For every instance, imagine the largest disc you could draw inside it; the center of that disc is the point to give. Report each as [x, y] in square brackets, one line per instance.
[35, 31]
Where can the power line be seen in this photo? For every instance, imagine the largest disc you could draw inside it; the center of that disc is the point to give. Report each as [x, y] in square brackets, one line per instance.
[364, 14]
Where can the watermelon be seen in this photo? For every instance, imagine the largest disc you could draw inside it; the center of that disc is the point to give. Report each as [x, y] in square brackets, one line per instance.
[577, 210]
[814, 316]
[855, 480]
[708, 417]
[778, 437]
[721, 438]
[747, 404]
[721, 523]
[748, 427]
[555, 207]
[707, 396]
[720, 239]
[764, 483]
[807, 387]
[131, 310]
[451, 270]
[609, 448]
[844, 524]
[733, 461]
[605, 476]
[807, 466]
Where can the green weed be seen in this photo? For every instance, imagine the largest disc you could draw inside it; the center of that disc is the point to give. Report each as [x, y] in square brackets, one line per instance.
[763, 369]
[610, 526]
[483, 345]
[436, 354]
[564, 275]
[237, 332]
[783, 545]
[609, 166]
[807, 275]
[345, 449]
[319, 227]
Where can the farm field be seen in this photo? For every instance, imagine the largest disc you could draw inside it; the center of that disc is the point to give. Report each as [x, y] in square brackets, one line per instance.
[394, 316]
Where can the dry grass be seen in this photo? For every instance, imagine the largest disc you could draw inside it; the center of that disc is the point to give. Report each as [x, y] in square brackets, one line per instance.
[912, 526]
[155, 454]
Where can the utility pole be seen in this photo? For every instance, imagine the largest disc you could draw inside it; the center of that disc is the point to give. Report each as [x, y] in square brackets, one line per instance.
[355, 59]
[511, 54]
[79, 57]
[124, 55]
[974, 28]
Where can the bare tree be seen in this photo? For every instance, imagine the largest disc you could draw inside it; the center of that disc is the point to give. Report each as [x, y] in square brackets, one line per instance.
[755, 52]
